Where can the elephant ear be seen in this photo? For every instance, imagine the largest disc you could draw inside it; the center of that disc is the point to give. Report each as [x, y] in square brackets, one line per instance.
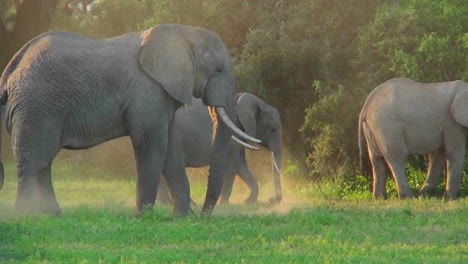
[166, 55]
[459, 108]
[247, 113]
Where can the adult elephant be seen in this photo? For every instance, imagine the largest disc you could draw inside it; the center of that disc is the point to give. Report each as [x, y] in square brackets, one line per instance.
[189, 145]
[403, 117]
[62, 90]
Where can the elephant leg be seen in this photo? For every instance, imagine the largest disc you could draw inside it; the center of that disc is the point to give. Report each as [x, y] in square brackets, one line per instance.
[175, 176]
[379, 177]
[396, 162]
[163, 194]
[401, 181]
[455, 142]
[150, 150]
[226, 192]
[454, 171]
[35, 191]
[46, 191]
[178, 185]
[232, 168]
[246, 175]
[434, 173]
[34, 151]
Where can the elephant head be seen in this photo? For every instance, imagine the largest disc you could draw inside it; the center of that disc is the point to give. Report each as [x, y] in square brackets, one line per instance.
[189, 61]
[263, 121]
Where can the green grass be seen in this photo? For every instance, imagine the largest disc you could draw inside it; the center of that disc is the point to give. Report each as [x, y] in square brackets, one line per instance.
[315, 224]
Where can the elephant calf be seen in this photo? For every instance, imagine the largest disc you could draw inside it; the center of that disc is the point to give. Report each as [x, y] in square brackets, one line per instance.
[190, 142]
[403, 117]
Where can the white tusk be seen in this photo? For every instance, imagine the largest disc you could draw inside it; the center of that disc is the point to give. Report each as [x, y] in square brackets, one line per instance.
[274, 163]
[243, 144]
[227, 121]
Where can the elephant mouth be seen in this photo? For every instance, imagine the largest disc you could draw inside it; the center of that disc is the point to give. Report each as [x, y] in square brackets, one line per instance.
[227, 121]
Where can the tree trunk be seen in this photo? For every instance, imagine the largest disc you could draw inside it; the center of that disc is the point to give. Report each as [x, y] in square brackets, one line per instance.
[33, 17]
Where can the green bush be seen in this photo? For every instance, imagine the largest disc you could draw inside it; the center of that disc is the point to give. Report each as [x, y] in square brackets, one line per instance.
[424, 40]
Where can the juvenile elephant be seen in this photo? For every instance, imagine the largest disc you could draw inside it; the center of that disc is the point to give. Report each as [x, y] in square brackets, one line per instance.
[62, 90]
[190, 143]
[403, 117]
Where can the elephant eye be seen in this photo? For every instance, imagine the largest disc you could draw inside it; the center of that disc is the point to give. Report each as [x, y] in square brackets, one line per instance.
[273, 130]
[218, 70]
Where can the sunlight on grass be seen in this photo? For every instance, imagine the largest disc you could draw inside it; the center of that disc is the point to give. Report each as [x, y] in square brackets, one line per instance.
[314, 223]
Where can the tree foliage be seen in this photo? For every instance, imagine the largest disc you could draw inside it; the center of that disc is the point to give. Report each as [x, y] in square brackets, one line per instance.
[315, 60]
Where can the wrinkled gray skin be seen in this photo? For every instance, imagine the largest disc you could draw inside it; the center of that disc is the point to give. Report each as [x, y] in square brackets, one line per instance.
[189, 145]
[63, 90]
[402, 117]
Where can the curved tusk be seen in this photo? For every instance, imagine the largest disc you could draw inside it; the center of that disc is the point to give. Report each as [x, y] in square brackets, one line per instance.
[227, 121]
[274, 163]
[242, 143]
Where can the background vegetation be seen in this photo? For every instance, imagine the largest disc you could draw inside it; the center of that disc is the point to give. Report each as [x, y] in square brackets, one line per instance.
[315, 60]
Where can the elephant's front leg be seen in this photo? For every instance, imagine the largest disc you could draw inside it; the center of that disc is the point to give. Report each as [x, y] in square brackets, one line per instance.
[175, 175]
[454, 173]
[455, 141]
[246, 175]
[150, 151]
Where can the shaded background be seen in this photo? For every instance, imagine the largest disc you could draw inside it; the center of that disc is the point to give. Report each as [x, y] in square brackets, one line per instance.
[314, 60]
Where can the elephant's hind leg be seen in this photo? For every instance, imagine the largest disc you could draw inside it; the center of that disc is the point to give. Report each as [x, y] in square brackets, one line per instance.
[396, 164]
[34, 157]
[379, 177]
[434, 173]
[163, 194]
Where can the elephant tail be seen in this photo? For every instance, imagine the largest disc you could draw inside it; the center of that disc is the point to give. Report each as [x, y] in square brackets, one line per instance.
[363, 162]
[2, 106]
[3, 100]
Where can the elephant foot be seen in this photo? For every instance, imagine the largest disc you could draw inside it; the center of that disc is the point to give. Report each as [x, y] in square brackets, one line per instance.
[404, 192]
[383, 196]
[182, 213]
[141, 210]
[24, 208]
[223, 201]
[250, 200]
[275, 200]
[405, 196]
[450, 196]
[182, 208]
[36, 203]
[425, 192]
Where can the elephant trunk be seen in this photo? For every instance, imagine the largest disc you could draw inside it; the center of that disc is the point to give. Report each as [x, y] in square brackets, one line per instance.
[276, 160]
[218, 162]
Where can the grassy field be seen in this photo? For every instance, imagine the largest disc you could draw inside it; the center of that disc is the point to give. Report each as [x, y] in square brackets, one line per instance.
[312, 225]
